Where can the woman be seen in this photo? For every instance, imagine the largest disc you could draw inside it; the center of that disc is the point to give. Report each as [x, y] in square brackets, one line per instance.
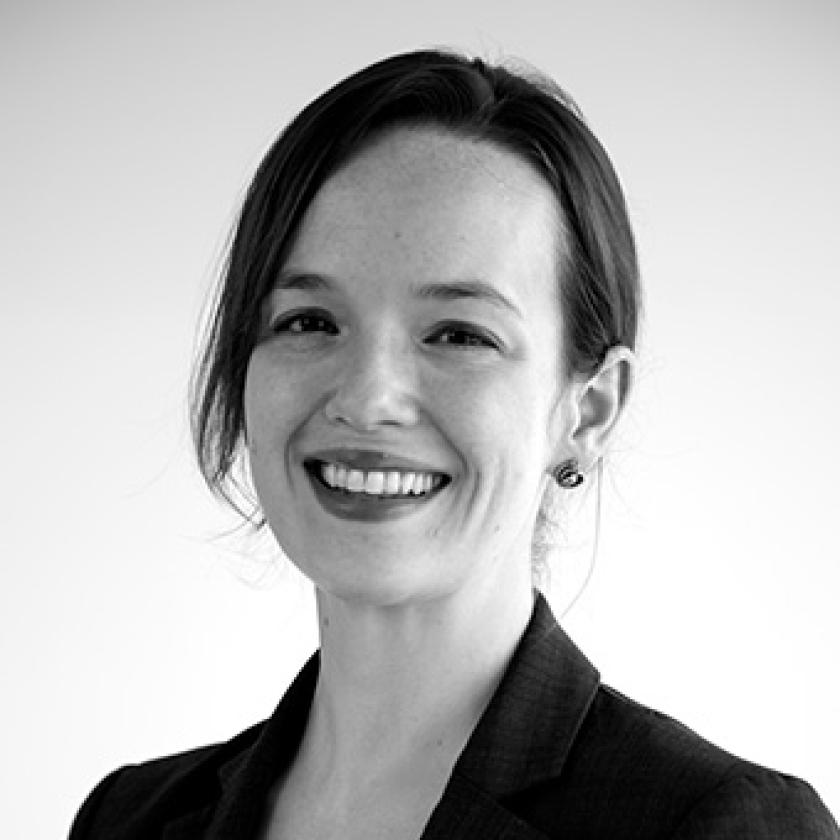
[425, 334]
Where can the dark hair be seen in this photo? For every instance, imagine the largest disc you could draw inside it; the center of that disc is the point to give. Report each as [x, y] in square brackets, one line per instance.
[524, 113]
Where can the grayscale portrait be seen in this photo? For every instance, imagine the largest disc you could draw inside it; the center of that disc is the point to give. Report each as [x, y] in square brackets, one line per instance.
[418, 421]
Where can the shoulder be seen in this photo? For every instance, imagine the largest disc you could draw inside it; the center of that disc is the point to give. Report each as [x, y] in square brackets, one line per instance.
[756, 802]
[138, 799]
[635, 772]
[640, 743]
[196, 788]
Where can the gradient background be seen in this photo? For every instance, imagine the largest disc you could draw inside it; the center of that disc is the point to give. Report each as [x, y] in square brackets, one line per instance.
[131, 628]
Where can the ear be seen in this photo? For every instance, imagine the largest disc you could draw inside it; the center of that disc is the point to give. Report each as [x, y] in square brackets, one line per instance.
[592, 407]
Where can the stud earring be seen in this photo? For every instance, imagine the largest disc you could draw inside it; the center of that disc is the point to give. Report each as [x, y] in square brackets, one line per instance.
[567, 475]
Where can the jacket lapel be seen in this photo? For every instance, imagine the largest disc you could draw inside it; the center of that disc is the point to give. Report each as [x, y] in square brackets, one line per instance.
[247, 778]
[188, 827]
[466, 812]
[523, 737]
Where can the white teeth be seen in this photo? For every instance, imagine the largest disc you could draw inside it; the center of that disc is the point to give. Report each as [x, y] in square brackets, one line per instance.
[392, 483]
[340, 476]
[355, 480]
[376, 482]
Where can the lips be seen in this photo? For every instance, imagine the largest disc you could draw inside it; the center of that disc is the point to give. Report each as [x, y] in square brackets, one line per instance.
[370, 459]
[378, 483]
[369, 485]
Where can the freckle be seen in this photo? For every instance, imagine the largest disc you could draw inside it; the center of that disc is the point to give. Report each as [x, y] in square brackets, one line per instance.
[497, 528]
[326, 622]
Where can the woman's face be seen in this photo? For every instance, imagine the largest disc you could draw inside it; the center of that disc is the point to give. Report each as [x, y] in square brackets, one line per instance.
[401, 403]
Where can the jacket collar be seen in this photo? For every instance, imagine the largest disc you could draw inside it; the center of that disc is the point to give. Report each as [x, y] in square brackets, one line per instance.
[523, 737]
[530, 724]
[247, 778]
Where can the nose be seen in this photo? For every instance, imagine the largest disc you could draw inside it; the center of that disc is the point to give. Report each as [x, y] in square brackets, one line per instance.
[375, 385]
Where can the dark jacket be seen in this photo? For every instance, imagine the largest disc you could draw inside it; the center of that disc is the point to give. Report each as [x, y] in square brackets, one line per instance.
[555, 755]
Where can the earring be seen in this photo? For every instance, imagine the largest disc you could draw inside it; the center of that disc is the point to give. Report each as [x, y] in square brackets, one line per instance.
[567, 475]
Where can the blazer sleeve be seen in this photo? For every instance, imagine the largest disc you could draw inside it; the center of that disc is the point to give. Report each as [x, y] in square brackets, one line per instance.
[761, 806]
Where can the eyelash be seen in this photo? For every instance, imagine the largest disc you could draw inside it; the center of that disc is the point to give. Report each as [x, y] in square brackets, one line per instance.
[472, 337]
[284, 324]
[476, 338]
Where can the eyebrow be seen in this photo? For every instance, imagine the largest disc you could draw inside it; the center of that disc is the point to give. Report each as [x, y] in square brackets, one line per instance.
[302, 281]
[466, 290]
[452, 290]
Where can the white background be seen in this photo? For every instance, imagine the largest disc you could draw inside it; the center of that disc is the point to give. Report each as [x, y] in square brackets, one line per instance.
[130, 629]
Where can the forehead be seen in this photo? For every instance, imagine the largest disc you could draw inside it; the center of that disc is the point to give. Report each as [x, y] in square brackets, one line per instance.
[424, 156]
[429, 203]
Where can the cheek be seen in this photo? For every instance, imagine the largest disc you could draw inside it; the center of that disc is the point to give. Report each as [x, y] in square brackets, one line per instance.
[274, 402]
[257, 402]
[498, 423]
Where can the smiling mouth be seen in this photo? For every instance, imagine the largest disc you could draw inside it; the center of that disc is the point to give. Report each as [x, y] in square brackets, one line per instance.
[375, 485]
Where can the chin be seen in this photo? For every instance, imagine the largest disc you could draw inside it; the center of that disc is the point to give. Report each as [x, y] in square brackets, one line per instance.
[375, 579]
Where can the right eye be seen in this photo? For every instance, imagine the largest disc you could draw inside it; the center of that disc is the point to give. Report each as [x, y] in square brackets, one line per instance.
[301, 323]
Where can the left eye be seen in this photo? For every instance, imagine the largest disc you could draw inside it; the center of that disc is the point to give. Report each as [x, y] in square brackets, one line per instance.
[463, 335]
[304, 322]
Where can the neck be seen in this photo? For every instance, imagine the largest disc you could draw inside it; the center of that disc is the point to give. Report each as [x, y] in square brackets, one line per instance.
[404, 681]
